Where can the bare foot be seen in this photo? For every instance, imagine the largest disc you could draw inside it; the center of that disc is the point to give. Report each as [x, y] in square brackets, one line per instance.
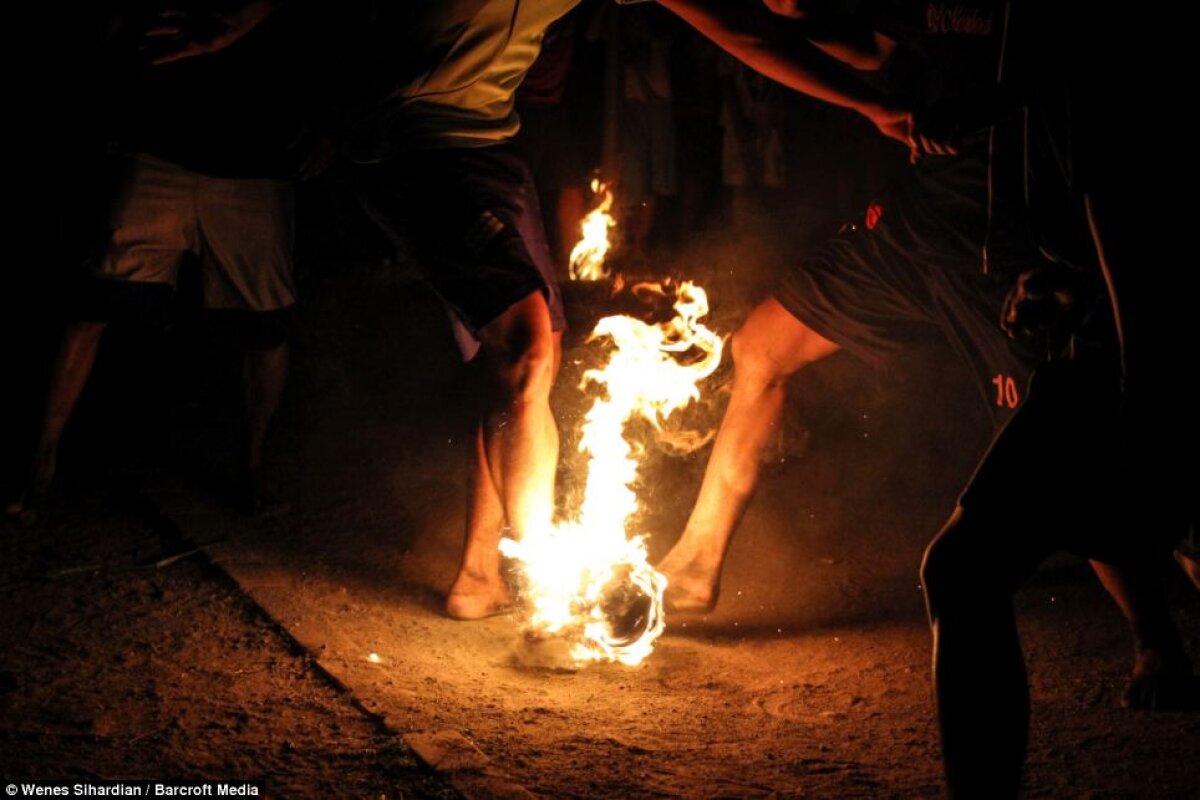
[22, 512]
[477, 597]
[1161, 683]
[25, 508]
[691, 586]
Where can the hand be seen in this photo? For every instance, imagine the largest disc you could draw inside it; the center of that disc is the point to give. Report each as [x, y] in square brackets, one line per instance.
[937, 131]
[176, 34]
[907, 128]
[926, 143]
[1044, 300]
[894, 124]
[902, 126]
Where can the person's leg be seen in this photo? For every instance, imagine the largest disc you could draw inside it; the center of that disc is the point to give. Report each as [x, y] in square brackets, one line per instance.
[978, 669]
[149, 220]
[516, 451]
[519, 433]
[246, 271]
[1159, 411]
[471, 216]
[1037, 490]
[1162, 672]
[770, 347]
[264, 375]
[72, 366]
[479, 588]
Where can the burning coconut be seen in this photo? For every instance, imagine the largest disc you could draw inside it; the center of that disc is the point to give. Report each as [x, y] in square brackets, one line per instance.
[589, 592]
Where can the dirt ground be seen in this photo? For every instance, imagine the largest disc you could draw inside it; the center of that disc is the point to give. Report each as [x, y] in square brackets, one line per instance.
[811, 679]
[115, 668]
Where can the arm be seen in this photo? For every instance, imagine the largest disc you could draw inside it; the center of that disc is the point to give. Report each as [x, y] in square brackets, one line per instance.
[183, 34]
[779, 52]
[849, 41]
[844, 38]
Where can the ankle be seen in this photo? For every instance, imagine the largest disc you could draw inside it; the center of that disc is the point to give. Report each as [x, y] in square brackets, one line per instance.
[1157, 655]
[479, 573]
[700, 556]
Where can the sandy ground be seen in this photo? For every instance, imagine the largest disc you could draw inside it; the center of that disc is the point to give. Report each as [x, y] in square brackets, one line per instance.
[115, 668]
[809, 680]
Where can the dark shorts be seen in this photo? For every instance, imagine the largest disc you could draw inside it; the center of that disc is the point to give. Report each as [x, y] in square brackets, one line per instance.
[1079, 469]
[910, 271]
[471, 217]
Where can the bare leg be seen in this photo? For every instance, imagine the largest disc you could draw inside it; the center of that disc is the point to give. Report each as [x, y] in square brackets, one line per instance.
[264, 375]
[1162, 673]
[73, 365]
[515, 452]
[978, 669]
[479, 589]
[770, 347]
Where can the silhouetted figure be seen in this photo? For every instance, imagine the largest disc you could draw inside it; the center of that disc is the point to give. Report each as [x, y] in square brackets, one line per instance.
[1100, 459]
[206, 112]
[941, 254]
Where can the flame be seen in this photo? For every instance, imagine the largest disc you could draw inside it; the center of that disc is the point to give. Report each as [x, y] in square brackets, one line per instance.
[587, 257]
[586, 580]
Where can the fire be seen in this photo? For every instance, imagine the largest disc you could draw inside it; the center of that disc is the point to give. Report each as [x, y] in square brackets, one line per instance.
[586, 581]
[587, 257]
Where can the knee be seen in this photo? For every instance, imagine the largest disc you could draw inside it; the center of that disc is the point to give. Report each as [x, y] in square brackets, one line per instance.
[754, 364]
[523, 370]
[955, 571]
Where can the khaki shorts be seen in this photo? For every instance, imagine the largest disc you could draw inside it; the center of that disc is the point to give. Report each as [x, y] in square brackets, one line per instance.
[239, 229]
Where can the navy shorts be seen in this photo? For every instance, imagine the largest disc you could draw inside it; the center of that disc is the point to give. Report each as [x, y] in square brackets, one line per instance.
[1079, 468]
[471, 217]
[909, 271]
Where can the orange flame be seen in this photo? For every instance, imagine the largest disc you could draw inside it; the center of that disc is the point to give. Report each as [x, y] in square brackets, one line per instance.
[586, 580]
[587, 257]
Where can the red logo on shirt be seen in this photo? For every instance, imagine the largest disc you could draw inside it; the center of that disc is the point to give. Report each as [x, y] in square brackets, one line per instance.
[950, 19]
[874, 214]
